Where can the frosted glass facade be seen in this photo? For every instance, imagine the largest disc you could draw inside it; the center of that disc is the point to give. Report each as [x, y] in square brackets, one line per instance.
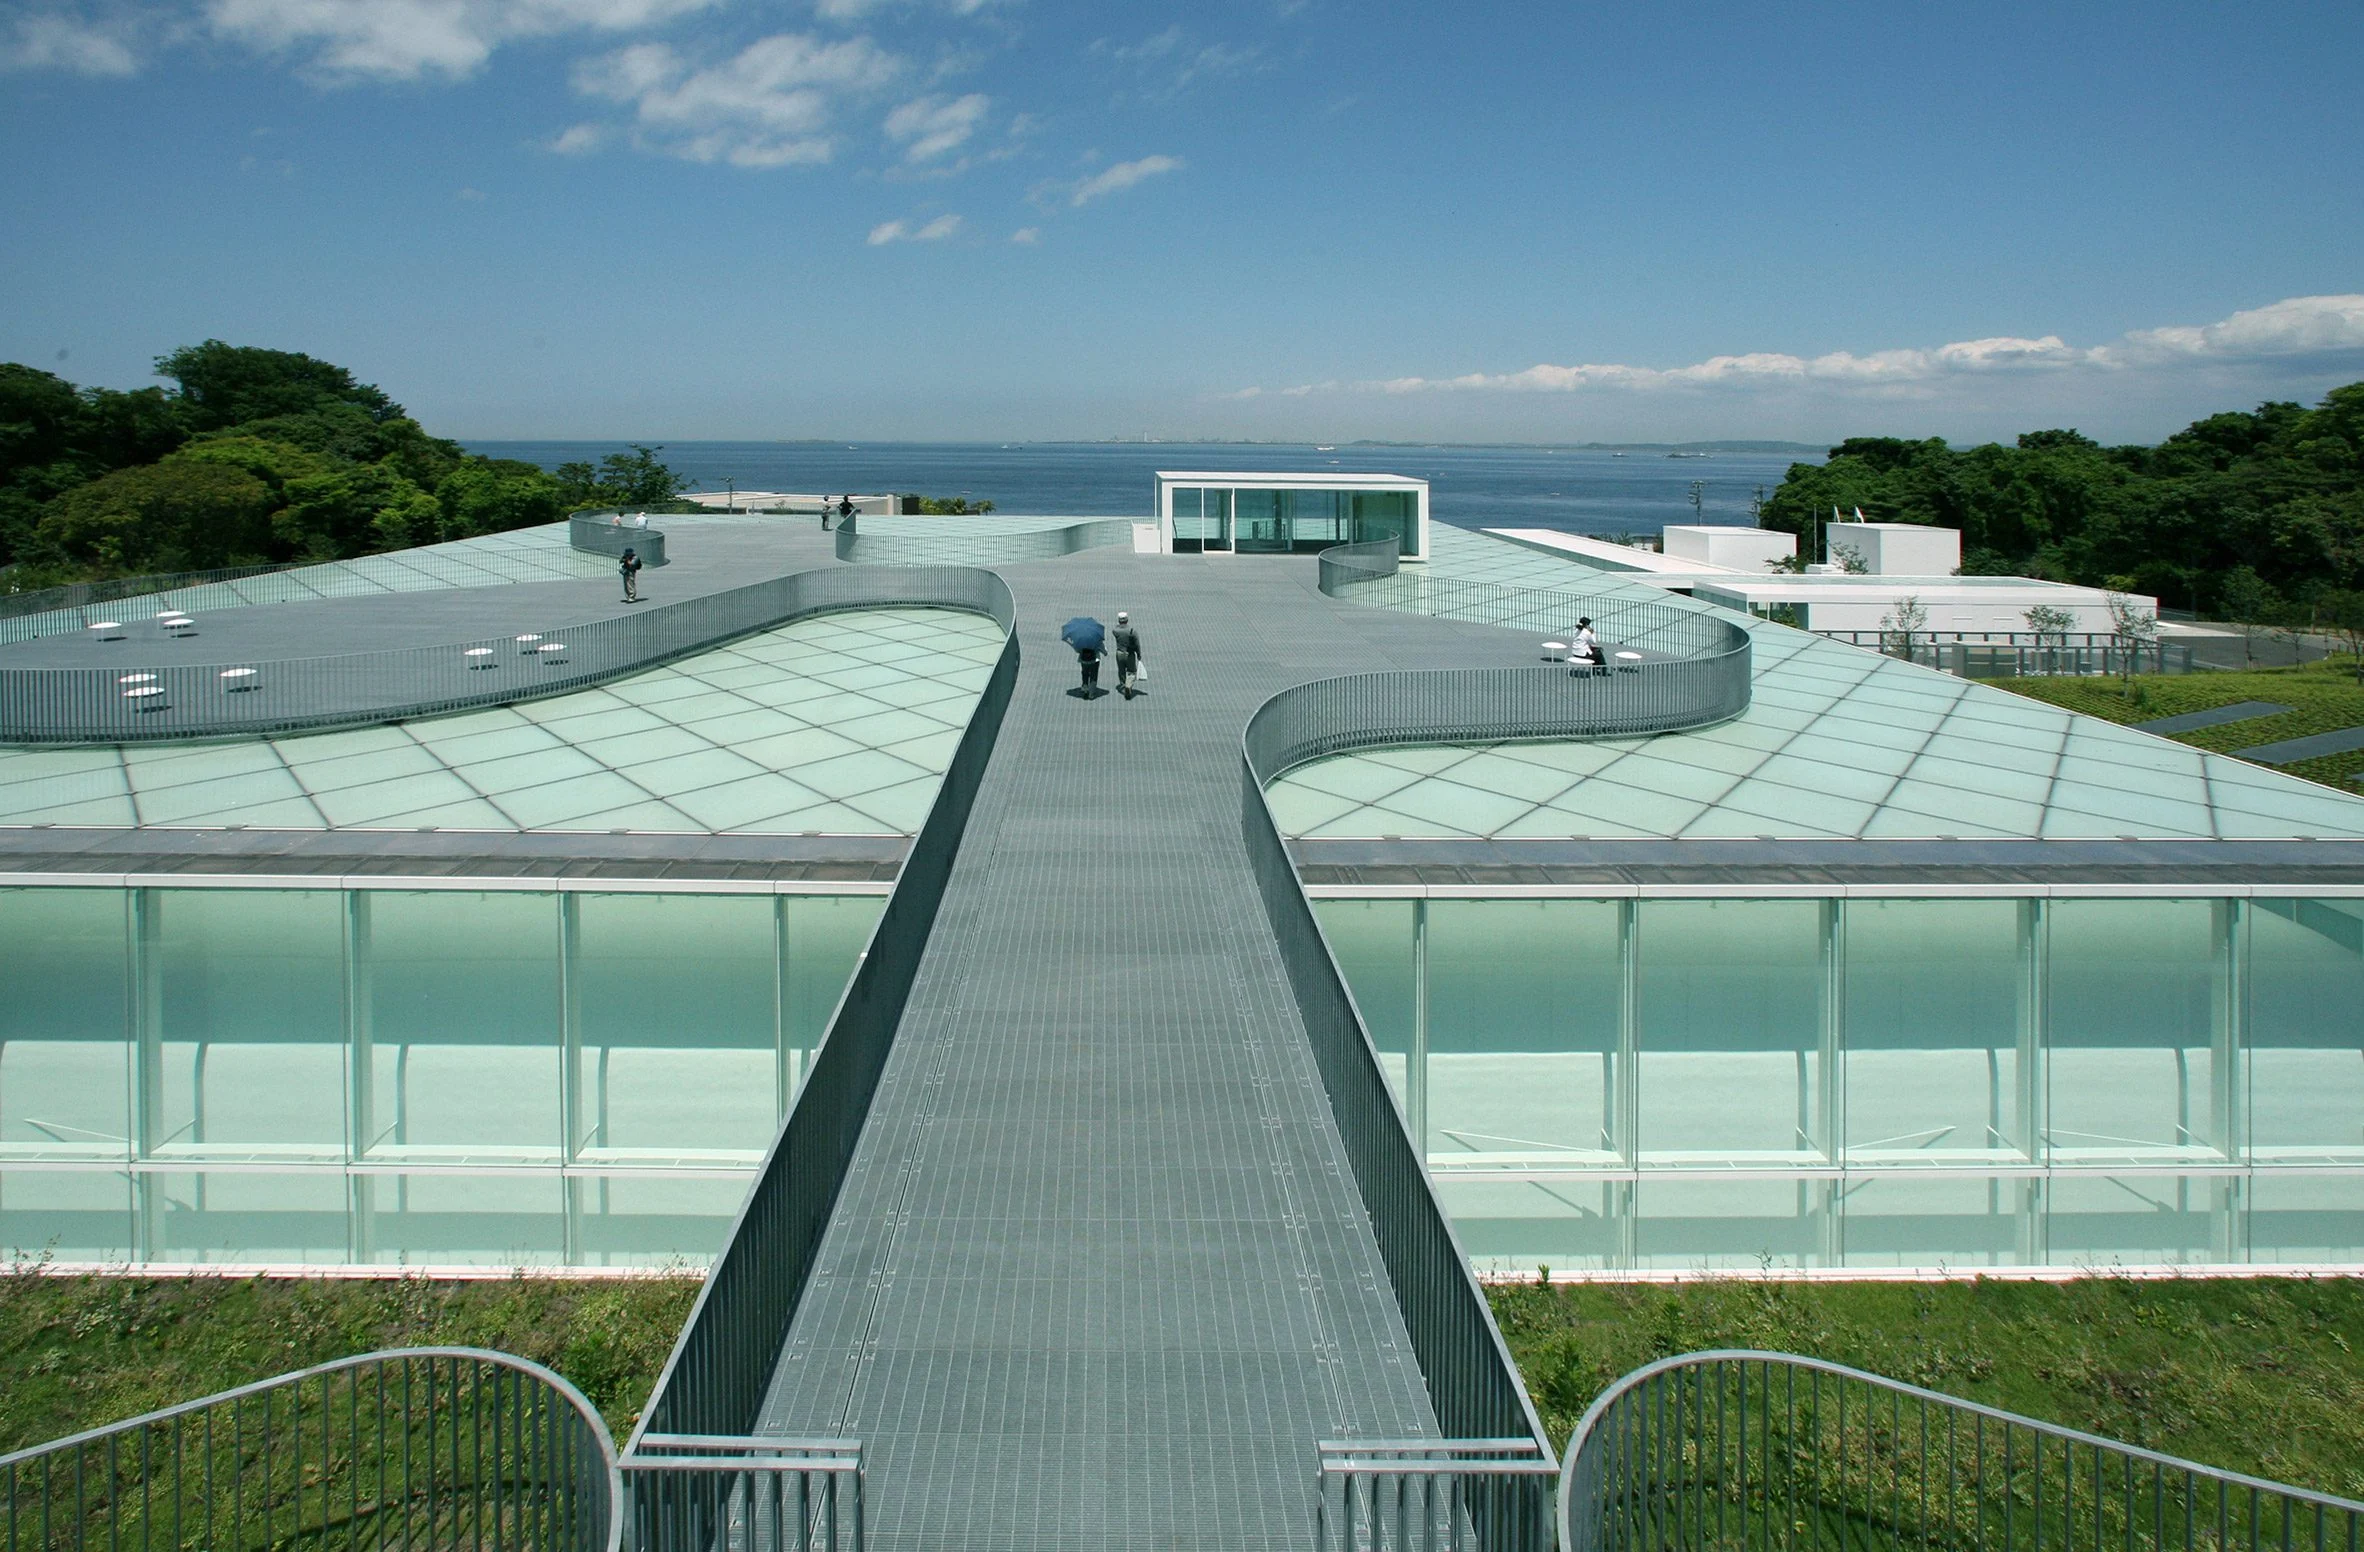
[1676, 1083]
[403, 1076]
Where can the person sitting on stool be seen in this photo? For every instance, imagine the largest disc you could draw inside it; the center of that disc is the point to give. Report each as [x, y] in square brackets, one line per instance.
[1586, 648]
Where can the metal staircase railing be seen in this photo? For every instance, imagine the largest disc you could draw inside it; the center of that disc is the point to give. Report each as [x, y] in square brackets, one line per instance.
[1766, 1450]
[448, 1447]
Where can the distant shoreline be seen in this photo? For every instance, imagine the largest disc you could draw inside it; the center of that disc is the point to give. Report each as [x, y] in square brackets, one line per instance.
[1816, 449]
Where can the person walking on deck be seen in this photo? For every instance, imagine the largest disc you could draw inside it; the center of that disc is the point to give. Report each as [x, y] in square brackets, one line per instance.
[629, 565]
[1127, 642]
[1089, 638]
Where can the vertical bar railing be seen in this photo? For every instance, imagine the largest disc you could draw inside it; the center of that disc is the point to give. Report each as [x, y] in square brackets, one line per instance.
[711, 1389]
[914, 544]
[746, 1494]
[1434, 1495]
[1836, 1458]
[353, 1453]
[145, 694]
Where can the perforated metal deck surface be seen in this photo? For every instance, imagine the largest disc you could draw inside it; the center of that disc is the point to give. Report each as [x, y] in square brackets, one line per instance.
[1100, 1276]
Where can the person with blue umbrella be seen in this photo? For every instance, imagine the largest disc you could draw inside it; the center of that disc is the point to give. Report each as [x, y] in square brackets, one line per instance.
[1089, 639]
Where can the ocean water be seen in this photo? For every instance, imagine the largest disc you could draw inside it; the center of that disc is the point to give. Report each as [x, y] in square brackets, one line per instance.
[1576, 490]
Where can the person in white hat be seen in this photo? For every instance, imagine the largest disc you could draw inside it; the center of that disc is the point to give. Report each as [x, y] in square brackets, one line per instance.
[1128, 656]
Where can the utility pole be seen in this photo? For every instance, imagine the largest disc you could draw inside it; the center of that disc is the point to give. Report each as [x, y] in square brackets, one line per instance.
[1699, 500]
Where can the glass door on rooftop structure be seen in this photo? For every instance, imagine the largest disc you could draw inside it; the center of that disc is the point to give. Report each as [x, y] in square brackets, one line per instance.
[1202, 521]
[1301, 522]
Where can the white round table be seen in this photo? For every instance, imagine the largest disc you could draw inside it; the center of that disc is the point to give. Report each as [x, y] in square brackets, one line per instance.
[136, 679]
[479, 657]
[549, 647]
[107, 630]
[235, 679]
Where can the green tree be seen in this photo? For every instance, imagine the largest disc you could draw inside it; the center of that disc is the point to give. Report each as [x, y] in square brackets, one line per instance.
[633, 479]
[493, 496]
[2250, 605]
[221, 385]
[177, 515]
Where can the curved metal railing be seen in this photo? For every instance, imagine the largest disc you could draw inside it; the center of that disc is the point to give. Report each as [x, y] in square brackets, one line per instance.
[613, 532]
[1369, 573]
[1757, 1449]
[979, 549]
[149, 698]
[422, 1446]
[81, 595]
[1493, 705]
[1689, 669]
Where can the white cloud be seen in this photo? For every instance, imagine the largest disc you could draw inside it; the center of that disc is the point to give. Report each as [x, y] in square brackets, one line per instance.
[55, 40]
[2300, 326]
[578, 139]
[406, 39]
[471, 196]
[1026, 236]
[773, 104]
[903, 231]
[928, 127]
[1122, 176]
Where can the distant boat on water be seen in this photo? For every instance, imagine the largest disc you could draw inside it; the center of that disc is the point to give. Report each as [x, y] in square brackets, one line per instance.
[1321, 449]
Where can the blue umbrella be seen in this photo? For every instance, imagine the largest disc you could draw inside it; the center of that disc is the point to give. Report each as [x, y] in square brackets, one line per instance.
[1084, 633]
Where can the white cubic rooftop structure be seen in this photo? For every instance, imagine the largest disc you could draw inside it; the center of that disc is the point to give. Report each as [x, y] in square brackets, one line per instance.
[1221, 513]
[1722, 546]
[1895, 549]
[1964, 606]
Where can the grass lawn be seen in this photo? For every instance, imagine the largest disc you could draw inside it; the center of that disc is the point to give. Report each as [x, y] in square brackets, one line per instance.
[2321, 697]
[2259, 1375]
[76, 1352]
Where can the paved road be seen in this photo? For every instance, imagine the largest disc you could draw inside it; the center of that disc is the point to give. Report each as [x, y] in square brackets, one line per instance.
[1100, 1275]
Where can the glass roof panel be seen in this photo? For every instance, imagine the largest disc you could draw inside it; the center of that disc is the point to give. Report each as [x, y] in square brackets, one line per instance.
[665, 750]
[1838, 740]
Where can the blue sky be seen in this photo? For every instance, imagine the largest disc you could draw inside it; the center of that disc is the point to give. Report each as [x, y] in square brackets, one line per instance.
[951, 219]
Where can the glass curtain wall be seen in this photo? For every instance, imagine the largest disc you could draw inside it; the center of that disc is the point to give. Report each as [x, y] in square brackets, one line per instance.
[1877, 1082]
[1289, 521]
[411, 1076]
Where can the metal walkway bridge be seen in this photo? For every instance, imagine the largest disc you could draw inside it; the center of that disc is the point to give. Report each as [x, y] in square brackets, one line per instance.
[1100, 1272]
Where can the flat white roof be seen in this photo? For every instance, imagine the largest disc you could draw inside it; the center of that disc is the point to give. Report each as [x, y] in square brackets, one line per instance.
[1313, 481]
[1616, 557]
[1782, 588]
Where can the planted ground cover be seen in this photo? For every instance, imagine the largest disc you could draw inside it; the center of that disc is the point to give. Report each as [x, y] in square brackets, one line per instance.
[2260, 1375]
[76, 1351]
[2254, 1374]
[2322, 697]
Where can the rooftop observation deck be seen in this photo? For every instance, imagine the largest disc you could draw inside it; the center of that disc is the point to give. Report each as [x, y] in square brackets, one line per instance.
[1104, 1252]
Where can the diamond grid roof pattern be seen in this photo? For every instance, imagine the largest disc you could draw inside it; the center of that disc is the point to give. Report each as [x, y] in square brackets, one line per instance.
[1838, 743]
[840, 724]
